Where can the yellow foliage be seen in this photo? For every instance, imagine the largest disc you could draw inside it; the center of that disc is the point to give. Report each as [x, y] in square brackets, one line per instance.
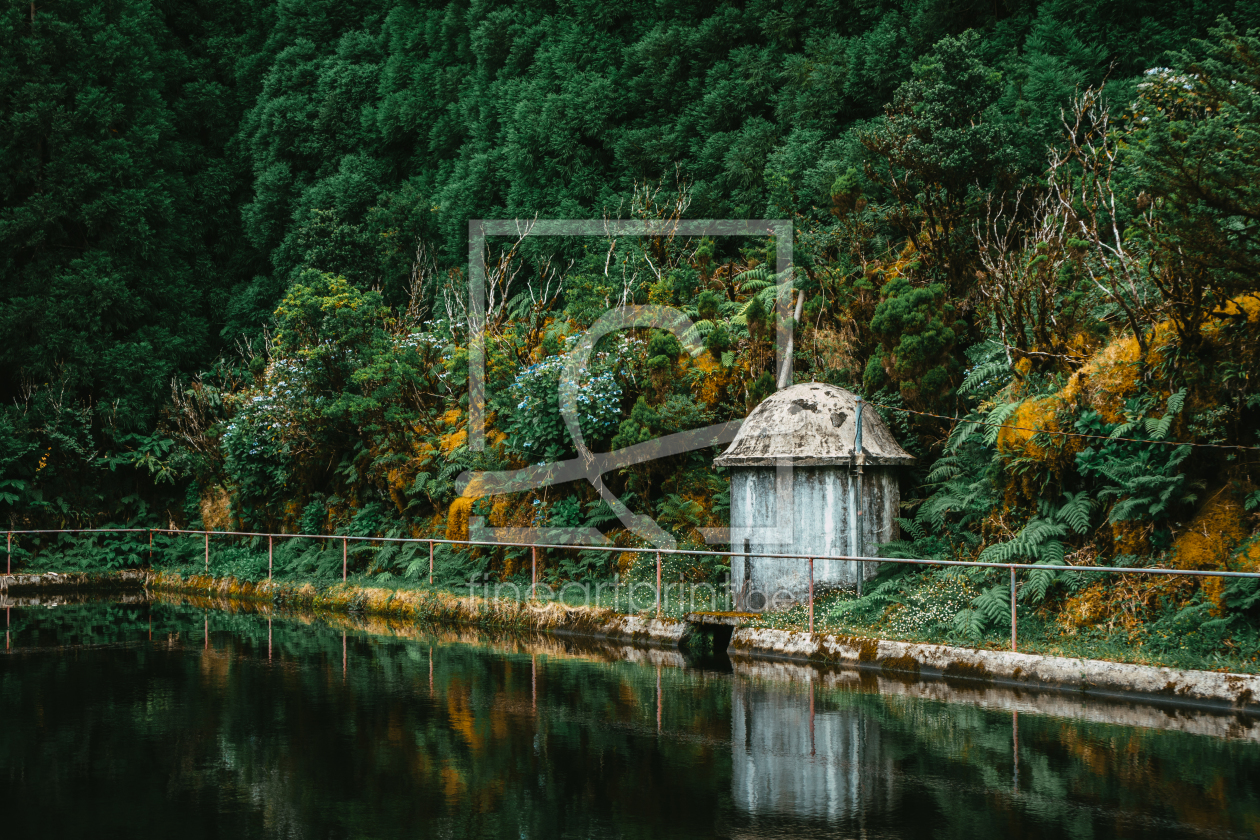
[626, 561]
[216, 508]
[1248, 558]
[1090, 606]
[422, 450]
[1210, 539]
[1125, 600]
[457, 518]
[1207, 543]
[1032, 416]
[835, 349]
[454, 440]
[501, 512]
[909, 254]
[452, 417]
[1248, 305]
[706, 363]
[1016, 441]
[1130, 538]
[1107, 379]
[1111, 375]
[398, 481]
[716, 379]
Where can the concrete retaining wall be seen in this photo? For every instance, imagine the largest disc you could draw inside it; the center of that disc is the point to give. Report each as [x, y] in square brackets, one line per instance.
[1203, 688]
[1006, 697]
[56, 581]
[440, 607]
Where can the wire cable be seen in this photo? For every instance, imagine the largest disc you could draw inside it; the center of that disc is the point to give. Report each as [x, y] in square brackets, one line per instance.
[1230, 446]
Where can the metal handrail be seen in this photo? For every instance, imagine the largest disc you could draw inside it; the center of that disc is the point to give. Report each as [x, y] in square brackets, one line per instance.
[659, 552]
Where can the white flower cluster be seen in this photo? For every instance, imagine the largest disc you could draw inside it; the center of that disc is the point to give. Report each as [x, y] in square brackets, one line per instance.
[263, 416]
[428, 344]
[930, 606]
[598, 392]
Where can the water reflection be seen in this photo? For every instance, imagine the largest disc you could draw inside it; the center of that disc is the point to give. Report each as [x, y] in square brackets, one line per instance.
[789, 757]
[178, 719]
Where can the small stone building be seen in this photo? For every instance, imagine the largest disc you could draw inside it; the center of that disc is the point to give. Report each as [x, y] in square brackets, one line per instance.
[799, 485]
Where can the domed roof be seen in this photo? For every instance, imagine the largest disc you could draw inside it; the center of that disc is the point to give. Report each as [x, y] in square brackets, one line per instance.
[811, 424]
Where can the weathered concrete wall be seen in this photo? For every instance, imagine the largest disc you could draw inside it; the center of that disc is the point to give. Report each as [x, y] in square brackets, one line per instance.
[64, 597]
[56, 581]
[998, 697]
[419, 605]
[512, 641]
[1205, 688]
[632, 628]
[817, 519]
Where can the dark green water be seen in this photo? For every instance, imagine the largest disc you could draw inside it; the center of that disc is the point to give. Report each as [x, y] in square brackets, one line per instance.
[104, 732]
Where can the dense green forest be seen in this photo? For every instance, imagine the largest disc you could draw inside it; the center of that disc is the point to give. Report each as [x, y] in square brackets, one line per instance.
[235, 257]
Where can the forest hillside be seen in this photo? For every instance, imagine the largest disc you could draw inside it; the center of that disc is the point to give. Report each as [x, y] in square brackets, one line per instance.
[234, 273]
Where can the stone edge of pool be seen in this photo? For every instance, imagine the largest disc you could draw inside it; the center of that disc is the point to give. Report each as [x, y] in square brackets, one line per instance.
[71, 581]
[1236, 692]
[438, 607]
[1220, 690]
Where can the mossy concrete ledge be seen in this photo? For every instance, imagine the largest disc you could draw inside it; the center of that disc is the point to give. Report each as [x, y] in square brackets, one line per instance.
[437, 607]
[1240, 692]
[48, 582]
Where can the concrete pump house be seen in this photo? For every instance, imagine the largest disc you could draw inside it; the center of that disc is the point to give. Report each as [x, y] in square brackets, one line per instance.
[813, 472]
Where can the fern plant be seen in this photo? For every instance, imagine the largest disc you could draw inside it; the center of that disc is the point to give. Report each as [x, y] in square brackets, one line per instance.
[1040, 542]
[884, 591]
[989, 372]
[962, 492]
[1143, 478]
[992, 606]
[1041, 539]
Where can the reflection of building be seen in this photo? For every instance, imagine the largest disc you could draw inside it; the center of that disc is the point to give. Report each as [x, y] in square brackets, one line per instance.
[839, 498]
[789, 761]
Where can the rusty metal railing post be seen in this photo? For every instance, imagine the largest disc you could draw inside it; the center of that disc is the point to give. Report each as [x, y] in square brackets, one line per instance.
[1014, 626]
[658, 584]
[207, 552]
[658, 699]
[533, 571]
[430, 562]
[811, 594]
[9, 550]
[345, 548]
[150, 548]
[270, 553]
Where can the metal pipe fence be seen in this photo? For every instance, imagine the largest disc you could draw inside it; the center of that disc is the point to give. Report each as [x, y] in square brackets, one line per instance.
[346, 539]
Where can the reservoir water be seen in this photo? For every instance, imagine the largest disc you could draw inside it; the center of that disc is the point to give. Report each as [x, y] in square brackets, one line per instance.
[178, 721]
